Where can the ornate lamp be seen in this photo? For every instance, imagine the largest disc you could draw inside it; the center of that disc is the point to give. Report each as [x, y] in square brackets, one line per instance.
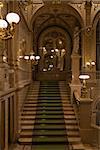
[90, 64]
[7, 27]
[34, 59]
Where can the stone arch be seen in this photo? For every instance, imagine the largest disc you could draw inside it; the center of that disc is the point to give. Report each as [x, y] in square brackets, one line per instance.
[65, 9]
[95, 22]
[60, 14]
[96, 19]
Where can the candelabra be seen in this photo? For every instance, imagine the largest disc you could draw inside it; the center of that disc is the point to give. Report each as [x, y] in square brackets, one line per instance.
[7, 27]
[30, 57]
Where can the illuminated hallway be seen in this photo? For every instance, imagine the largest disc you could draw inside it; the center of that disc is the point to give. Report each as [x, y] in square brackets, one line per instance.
[52, 42]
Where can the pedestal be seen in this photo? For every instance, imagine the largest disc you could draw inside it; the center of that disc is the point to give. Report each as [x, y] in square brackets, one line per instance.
[85, 120]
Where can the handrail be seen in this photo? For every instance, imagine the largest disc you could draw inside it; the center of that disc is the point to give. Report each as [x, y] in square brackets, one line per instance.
[76, 102]
[70, 147]
[77, 97]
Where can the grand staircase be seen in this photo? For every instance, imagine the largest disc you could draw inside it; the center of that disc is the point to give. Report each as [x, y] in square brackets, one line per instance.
[48, 120]
[49, 130]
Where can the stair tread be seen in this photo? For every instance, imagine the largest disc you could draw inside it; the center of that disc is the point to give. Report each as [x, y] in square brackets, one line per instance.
[25, 140]
[71, 121]
[27, 121]
[23, 127]
[26, 133]
[50, 139]
[28, 117]
[71, 126]
[74, 139]
[78, 146]
[50, 127]
[57, 121]
[69, 117]
[73, 133]
[49, 132]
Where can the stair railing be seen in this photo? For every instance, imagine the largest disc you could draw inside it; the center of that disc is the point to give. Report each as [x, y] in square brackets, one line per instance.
[70, 147]
[76, 104]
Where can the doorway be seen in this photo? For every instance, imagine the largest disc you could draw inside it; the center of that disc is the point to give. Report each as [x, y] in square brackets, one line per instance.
[54, 48]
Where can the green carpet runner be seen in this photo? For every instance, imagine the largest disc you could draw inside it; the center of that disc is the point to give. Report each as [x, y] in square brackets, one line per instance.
[49, 131]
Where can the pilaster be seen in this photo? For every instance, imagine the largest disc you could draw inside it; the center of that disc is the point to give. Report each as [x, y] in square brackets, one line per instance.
[88, 31]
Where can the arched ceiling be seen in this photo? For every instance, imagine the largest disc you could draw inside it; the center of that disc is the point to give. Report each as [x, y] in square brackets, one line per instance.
[34, 10]
[62, 15]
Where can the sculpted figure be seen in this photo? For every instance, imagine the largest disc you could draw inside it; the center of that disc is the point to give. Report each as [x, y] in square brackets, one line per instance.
[76, 40]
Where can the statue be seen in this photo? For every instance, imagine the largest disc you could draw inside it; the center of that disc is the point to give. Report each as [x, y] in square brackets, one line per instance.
[76, 40]
[60, 54]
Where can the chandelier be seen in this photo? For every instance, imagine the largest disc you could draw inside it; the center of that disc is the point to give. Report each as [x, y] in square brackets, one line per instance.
[7, 27]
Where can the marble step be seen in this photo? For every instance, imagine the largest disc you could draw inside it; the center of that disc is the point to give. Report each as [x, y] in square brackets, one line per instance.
[42, 113]
[42, 101]
[33, 91]
[74, 122]
[68, 108]
[26, 117]
[69, 112]
[30, 113]
[27, 127]
[32, 96]
[78, 146]
[74, 140]
[72, 127]
[29, 109]
[27, 121]
[30, 104]
[28, 133]
[73, 133]
[25, 140]
[67, 105]
[70, 117]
